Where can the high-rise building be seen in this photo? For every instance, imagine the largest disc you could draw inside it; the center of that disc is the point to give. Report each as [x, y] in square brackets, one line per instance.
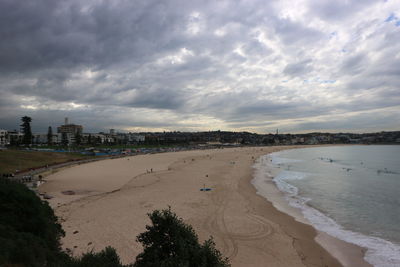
[70, 128]
[70, 131]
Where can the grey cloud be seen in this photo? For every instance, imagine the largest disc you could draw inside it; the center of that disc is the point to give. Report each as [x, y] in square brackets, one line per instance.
[293, 33]
[256, 48]
[158, 99]
[98, 119]
[355, 64]
[337, 10]
[352, 122]
[384, 67]
[245, 106]
[46, 34]
[362, 83]
[132, 53]
[383, 72]
[376, 101]
[298, 68]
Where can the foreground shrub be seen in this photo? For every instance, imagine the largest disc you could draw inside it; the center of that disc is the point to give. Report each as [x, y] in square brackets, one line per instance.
[29, 231]
[108, 257]
[30, 236]
[171, 242]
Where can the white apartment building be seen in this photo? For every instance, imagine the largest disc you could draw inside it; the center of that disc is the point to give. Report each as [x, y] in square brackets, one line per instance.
[4, 138]
[136, 137]
[43, 139]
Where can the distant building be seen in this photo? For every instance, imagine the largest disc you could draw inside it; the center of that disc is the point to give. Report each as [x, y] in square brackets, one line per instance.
[99, 138]
[136, 138]
[15, 137]
[4, 138]
[70, 131]
[40, 138]
[70, 128]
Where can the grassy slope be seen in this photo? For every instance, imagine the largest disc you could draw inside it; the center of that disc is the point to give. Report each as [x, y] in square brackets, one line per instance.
[11, 160]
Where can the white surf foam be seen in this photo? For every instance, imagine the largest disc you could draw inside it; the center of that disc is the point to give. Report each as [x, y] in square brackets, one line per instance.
[380, 252]
[276, 159]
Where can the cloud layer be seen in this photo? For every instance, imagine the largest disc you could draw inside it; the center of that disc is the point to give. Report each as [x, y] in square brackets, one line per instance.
[201, 65]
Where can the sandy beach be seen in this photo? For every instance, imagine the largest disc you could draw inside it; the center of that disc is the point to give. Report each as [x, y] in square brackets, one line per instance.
[105, 203]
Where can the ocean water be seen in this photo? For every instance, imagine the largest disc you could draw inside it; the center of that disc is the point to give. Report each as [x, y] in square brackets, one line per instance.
[350, 192]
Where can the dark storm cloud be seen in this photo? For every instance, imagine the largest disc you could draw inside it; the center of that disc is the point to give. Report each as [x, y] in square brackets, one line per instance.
[159, 98]
[48, 34]
[192, 65]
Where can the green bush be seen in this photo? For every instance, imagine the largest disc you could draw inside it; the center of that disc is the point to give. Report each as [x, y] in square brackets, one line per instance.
[108, 257]
[30, 236]
[29, 231]
[171, 242]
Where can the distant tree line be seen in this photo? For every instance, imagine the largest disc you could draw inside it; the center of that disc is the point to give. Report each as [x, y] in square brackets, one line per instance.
[30, 236]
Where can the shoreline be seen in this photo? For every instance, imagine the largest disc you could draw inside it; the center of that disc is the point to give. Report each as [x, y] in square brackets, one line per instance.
[348, 254]
[111, 198]
[379, 247]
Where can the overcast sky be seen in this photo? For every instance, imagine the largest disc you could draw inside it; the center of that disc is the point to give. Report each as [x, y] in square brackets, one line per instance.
[300, 66]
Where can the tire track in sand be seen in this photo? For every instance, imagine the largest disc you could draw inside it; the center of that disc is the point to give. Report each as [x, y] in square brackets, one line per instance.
[217, 225]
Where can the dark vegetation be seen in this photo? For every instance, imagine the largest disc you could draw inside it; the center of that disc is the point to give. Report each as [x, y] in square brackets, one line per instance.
[29, 231]
[171, 242]
[26, 129]
[12, 159]
[30, 236]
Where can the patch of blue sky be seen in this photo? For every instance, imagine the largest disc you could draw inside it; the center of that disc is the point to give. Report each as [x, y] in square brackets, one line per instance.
[318, 80]
[328, 81]
[322, 81]
[391, 18]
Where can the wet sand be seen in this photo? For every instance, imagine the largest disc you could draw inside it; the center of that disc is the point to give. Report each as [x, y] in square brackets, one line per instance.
[105, 203]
